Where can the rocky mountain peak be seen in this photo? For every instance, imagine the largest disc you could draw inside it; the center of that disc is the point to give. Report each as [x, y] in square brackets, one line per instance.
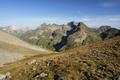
[104, 28]
[83, 26]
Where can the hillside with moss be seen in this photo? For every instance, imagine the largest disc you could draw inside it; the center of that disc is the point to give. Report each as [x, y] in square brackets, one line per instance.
[96, 61]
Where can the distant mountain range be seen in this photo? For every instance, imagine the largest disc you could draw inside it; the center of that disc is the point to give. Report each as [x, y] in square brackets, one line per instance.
[14, 30]
[62, 37]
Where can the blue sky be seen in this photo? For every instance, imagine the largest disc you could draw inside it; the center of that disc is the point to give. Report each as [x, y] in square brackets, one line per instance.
[34, 12]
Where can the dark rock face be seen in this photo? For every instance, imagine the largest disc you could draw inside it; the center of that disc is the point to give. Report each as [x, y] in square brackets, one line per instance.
[58, 77]
[64, 39]
[54, 34]
[103, 35]
[63, 42]
[110, 33]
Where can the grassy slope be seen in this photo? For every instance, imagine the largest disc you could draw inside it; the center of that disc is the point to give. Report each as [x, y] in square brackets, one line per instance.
[97, 61]
[12, 48]
[7, 38]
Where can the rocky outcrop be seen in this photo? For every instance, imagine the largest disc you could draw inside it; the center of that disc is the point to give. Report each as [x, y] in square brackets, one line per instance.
[103, 28]
[40, 76]
[109, 33]
[64, 39]
[58, 77]
[6, 76]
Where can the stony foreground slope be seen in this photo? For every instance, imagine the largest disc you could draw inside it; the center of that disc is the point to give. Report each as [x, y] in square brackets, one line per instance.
[98, 61]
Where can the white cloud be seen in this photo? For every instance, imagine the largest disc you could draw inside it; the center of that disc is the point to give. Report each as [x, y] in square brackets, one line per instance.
[112, 20]
[108, 4]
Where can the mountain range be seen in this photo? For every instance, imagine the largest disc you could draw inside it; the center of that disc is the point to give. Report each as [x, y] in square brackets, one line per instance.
[67, 36]
[14, 30]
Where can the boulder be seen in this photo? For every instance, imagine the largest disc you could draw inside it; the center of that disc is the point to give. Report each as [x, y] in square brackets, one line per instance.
[6, 76]
[58, 77]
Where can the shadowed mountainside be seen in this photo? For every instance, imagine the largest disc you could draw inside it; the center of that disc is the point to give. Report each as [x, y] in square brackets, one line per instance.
[64, 39]
[109, 33]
